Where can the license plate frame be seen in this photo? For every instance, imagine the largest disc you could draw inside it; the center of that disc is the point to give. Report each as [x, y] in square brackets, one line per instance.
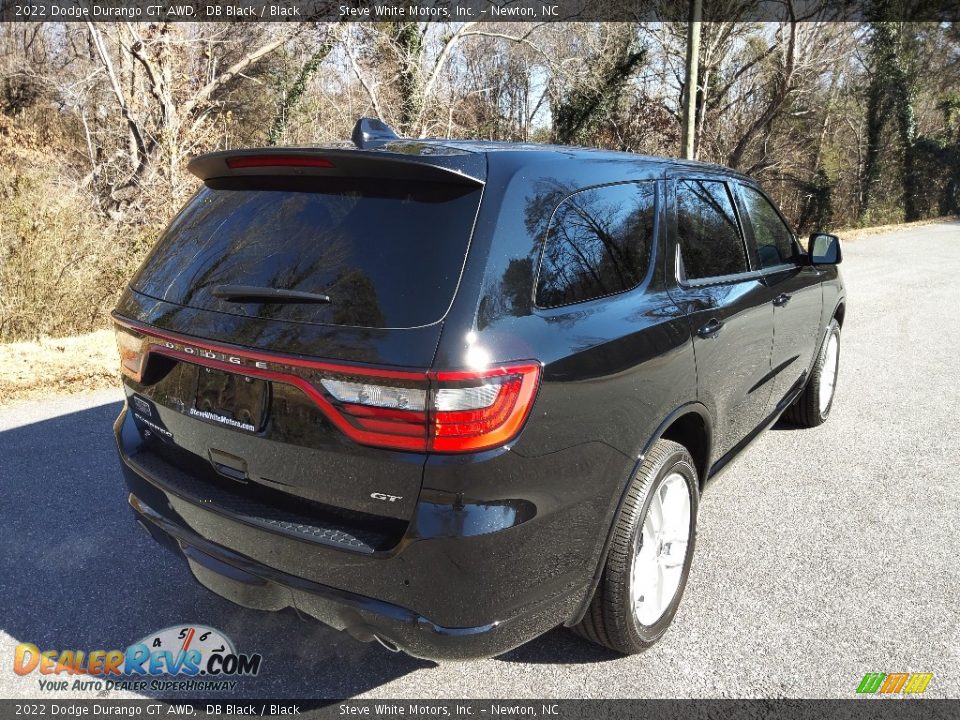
[232, 399]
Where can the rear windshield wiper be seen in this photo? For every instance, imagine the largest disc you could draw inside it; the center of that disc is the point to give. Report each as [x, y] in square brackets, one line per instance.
[254, 293]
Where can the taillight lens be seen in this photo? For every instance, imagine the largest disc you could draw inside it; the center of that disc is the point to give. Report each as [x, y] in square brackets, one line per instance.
[458, 411]
[479, 410]
[414, 410]
[380, 396]
[132, 353]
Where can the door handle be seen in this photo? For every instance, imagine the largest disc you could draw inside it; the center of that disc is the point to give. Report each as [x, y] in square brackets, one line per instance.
[781, 300]
[710, 329]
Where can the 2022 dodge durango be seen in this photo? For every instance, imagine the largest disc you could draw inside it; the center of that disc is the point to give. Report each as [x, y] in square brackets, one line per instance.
[450, 395]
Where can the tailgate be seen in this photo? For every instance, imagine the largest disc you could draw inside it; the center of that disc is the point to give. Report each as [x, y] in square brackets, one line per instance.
[261, 425]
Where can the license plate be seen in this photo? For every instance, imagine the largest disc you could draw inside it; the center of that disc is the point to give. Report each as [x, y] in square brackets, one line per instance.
[229, 399]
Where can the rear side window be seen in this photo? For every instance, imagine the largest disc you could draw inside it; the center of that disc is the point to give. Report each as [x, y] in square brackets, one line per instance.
[707, 230]
[598, 243]
[387, 254]
[774, 240]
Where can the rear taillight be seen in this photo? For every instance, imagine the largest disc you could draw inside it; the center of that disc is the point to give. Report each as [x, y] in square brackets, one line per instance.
[447, 411]
[479, 410]
[459, 411]
[132, 353]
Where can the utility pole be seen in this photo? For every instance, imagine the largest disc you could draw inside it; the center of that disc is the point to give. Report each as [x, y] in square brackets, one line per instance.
[690, 86]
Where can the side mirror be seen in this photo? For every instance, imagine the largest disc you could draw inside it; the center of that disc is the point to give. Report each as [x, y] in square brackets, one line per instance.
[824, 249]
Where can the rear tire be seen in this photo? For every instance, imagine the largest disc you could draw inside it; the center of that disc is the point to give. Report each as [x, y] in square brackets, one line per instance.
[813, 406]
[649, 556]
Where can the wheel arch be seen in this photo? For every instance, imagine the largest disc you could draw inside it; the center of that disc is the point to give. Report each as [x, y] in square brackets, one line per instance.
[839, 312]
[689, 425]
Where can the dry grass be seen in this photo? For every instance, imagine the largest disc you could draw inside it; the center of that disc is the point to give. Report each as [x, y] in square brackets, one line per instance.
[859, 233]
[62, 263]
[50, 366]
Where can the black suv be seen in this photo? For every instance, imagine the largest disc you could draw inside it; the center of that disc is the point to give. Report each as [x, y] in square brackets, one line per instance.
[449, 395]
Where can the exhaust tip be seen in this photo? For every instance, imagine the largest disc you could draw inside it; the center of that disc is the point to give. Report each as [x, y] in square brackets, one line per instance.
[392, 647]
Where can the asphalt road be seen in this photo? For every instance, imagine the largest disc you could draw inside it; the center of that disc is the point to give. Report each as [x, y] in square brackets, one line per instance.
[822, 554]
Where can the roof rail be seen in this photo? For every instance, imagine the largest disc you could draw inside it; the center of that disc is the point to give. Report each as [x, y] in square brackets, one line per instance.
[371, 133]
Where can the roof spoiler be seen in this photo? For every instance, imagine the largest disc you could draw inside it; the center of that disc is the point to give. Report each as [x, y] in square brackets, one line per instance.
[368, 134]
[467, 169]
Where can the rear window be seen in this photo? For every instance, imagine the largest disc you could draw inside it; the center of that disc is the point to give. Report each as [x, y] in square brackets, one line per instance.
[387, 256]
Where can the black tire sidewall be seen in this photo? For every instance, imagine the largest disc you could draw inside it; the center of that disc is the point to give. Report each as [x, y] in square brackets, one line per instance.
[679, 462]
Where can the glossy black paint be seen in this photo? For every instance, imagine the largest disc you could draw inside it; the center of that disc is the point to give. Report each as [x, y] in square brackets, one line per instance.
[485, 550]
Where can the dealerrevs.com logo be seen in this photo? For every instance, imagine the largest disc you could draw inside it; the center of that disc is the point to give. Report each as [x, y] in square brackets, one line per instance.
[198, 658]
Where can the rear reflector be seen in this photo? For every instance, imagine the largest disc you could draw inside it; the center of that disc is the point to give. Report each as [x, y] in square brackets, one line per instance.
[257, 161]
[132, 355]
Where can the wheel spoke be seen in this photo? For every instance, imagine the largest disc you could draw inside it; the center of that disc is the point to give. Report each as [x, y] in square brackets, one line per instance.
[662, 600]
[661, 554]
[676, 554]
[676, 510]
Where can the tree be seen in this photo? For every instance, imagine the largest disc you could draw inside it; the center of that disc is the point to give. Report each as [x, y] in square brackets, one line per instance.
[890, 95]
[582, 106]
[163, 129]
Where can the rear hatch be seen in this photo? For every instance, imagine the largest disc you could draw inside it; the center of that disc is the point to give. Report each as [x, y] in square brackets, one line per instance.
[294, 292]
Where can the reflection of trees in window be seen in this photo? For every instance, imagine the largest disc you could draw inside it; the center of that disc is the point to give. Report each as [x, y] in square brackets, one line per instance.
[388, 254]
[710, 242]
[356, 301]
[597, 244]
[774, 240]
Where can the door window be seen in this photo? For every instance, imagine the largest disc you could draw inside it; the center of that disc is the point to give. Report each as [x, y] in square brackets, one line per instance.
[775, 244]
[710, 241]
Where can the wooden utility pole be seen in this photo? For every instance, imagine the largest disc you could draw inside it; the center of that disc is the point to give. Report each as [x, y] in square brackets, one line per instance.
[690, 86]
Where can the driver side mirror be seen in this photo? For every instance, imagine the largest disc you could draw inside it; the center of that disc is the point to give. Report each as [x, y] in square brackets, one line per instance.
[824, 249]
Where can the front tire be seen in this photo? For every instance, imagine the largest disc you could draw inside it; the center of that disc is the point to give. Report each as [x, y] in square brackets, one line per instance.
[649, 556]
[813, 406]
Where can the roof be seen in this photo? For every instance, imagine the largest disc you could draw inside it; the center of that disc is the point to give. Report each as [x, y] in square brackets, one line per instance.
[446, 146]
[451, 159]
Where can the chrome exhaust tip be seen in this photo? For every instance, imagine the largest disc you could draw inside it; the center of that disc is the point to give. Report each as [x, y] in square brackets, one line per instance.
[386, 643]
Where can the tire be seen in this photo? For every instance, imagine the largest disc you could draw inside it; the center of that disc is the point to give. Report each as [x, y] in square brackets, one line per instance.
[614, 618]
[813, 406]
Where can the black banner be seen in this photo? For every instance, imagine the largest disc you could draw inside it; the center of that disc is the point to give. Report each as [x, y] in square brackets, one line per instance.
[538, 11]
[877, 708]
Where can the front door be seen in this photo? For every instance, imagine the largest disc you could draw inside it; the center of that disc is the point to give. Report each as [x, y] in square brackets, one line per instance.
[793, 289]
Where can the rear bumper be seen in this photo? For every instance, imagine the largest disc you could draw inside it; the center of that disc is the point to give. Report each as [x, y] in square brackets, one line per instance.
[254, 585]
[477, 587]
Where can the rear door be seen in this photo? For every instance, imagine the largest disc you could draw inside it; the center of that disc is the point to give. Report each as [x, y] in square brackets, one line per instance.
[730, 319]
[793, 291]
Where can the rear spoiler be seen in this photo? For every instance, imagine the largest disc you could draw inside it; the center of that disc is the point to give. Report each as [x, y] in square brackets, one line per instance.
[461, 168]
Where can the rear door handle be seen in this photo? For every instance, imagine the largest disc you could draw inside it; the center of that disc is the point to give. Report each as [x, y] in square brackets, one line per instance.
[781, 300]
[710, 329]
